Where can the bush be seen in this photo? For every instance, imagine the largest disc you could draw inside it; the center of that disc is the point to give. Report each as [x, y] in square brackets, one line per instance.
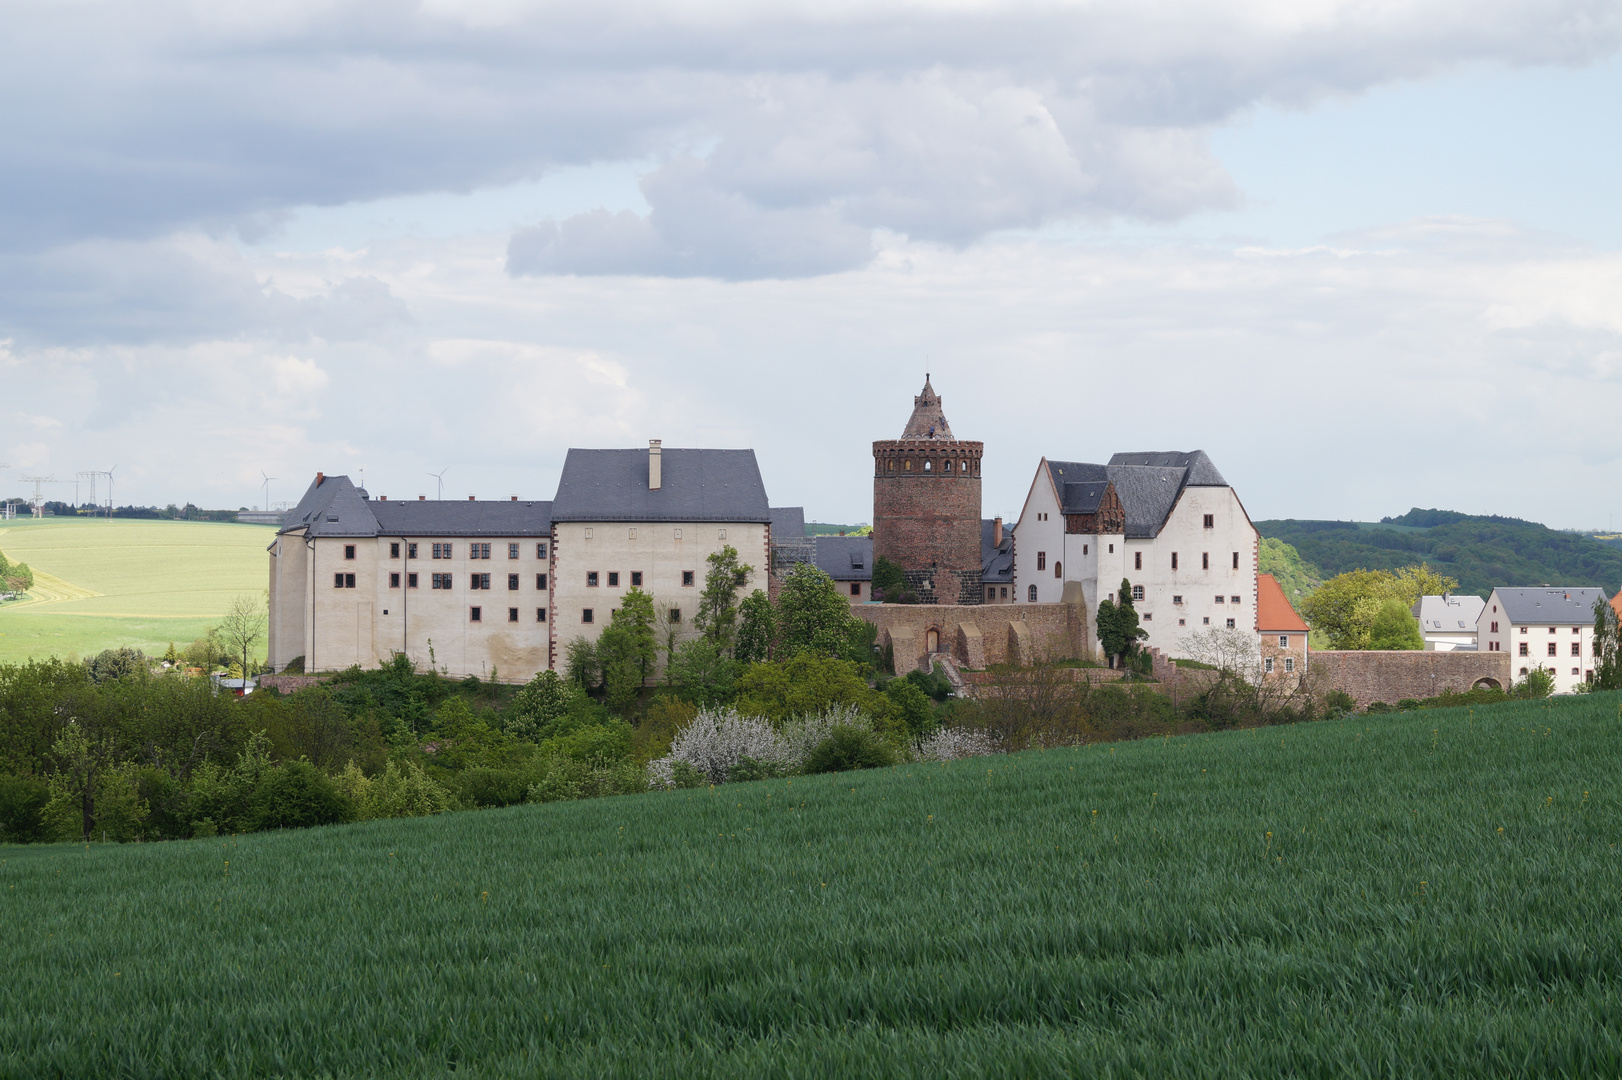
[296, 796]
[1339, 703]
[849, 747]
[22, 809]
[912, 710]
[400, 790]
[110, 664]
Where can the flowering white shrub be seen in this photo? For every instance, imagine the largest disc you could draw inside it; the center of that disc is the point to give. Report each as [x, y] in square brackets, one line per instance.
[948, 744]
[716, 739]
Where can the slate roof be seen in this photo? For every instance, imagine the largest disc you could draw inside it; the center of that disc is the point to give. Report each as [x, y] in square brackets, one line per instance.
[448, 518]
[996, 563]
[1549, 607]
[1080, 485]
[845, 558]
[1274, 615]
[1147, 484]
[695, 485]
[1198, 467]
[788, 523]
[1450, 614]
[332, 506]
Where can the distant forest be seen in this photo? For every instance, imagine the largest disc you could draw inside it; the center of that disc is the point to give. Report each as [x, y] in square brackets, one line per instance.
[1481, 551]
[158, 513]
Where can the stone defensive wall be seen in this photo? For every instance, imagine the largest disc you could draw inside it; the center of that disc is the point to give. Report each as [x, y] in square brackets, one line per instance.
[287, 684]
[979, 635]
[1390, 676]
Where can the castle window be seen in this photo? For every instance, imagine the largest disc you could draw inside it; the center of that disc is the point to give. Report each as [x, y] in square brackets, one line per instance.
[540, 551]
[540, 581]
[1523, 671]
[442, 551]
[636, 579]
[1210, 521]
[1084, 549]
[1205, 560]
[1235, 600]
[1178, 599]
[1058, 568]
[440, 581]
[411, 581]
[613, 579]
[1267, 665]
[1230, 624]
[411, 551]
[512, 614]
[1041, 560]
[1137, 592]
[631, 534]
[687, 578]
[478, 581]
[675, 614]
[512, 551]
[1524, 652]
[1236, 560]
[1207, 620]
[1576, 649]
[586, 615]
[591, 578]
[349, 551]
[1112, 549]
[1005, 592]
[512, 582]
[1148, 616]
[721, 534]
[1174, 560]
[588, 534]
[1289, 664]
[475, 615]
[928, 466]
[678, 534]
[1137, 560]
[991, 593]
[890, 465]
[1033, 594]
[540, 614]
[1552, 648]
[394, 551]
[1182, 622]
[394, 581]
[906, 466]
[1220, 599]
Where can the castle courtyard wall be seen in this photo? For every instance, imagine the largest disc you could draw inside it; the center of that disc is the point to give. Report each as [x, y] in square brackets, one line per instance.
[1392, 676]
[978, 636]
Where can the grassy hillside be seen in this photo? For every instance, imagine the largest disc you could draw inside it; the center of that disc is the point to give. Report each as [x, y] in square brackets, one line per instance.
[100, 584]
[1421, 894]
[1481, 552]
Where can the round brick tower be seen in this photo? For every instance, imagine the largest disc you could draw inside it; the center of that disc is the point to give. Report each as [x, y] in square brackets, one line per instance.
[926, 505]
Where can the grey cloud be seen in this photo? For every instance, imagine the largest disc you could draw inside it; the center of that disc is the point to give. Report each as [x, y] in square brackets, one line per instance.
[942, 124]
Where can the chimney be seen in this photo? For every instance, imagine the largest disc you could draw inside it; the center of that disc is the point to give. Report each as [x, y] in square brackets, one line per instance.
[382, 498]
[320, 477]
[515, 498]
[422, 498]
[471, 498]
[655, 469]
[996, 532]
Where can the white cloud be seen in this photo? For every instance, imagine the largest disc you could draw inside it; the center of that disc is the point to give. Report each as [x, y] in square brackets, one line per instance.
[293, 377]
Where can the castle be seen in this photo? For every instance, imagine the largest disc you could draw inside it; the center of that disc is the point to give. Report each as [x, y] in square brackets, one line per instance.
[507, 585]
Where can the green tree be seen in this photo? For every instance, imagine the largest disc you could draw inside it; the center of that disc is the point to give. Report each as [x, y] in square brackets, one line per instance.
[890, 583]
[806, 684]
[812, 616]
[1295, 575]
[717, 617]
[1345, 606]
[1118, 629]
[241, 629]
[537, 707]
[702, 673]
[1394, 627]
[635, 613]
[911, 706]
[580, 661]
[1607, 647]
[757, 629]
[627, 649]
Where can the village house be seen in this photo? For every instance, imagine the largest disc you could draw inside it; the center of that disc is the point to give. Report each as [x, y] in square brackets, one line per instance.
[1448, 622]
[1548, 628]
[1283, 632]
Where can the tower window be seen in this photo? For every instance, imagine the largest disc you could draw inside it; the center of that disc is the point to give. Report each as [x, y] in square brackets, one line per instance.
[1058, 568]
[1032, 594]
[1236, 560]
[1137, 560]
[1174, 560]
[1205, 560]
[928, 466]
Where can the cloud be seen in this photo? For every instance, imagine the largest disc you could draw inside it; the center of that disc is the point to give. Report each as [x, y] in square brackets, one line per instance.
[784, 131]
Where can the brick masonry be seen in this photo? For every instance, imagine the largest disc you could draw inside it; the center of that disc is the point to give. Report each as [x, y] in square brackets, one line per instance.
[1376, 675]
[928, 520]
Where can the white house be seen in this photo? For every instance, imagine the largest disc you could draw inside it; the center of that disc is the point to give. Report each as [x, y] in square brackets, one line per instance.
[1167, 522]
[1449, 622]
[1547, 628]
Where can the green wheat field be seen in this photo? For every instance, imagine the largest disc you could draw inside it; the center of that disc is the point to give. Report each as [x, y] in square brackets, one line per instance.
[1421, 894]
[101, 584]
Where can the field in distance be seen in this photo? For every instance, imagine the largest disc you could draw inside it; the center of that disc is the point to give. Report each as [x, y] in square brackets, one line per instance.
[1423, 894]
[102, 583]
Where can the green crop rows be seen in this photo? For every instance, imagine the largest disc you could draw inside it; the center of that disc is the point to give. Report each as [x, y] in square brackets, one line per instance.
[1431, 893]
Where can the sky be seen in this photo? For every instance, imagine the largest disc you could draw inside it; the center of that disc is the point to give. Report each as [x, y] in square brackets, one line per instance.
[1368, 256]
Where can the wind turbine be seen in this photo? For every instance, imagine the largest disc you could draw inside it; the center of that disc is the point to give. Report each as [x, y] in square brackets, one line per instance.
[110, 492]
[268, 479]
[440, 476]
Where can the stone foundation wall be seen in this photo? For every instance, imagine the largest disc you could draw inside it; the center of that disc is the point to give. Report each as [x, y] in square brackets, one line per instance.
[1376, 675]
[287, 684]
[977, 636]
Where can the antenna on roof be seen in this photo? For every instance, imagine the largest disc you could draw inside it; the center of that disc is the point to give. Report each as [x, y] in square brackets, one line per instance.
[440, 476]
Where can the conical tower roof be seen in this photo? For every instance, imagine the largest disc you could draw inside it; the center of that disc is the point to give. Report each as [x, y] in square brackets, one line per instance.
[928, 422]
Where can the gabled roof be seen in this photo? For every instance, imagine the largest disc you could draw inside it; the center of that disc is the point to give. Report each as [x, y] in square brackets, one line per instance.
[1449, 614]
[695, 485]
[1200, 471]
[1274, 615]
[1080, 485]
[996, 562]
[332, 506]
[1549, 607]
[443, 517]
[788, 523]
[845, 558]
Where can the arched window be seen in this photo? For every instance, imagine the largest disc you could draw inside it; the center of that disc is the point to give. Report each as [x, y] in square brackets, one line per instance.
[1058, 568]
[906, 466]
[1033, 594]
[891, 464]
[928, 466]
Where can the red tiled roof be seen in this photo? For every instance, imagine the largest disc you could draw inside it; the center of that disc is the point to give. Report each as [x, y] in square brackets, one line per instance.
[1274, 615]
